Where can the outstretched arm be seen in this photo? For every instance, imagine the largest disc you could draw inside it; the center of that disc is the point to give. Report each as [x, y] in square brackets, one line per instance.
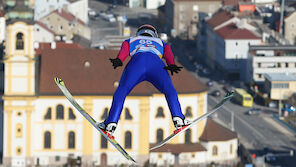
[122, 55]
[169, 58]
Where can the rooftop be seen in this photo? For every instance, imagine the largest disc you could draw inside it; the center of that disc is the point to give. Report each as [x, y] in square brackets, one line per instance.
[272, 47]
[219, 17]
[280, 77]
[89, 72]
[231, 31]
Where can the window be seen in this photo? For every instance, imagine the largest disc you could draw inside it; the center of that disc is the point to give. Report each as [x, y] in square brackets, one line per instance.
[60, 112]
[128, 115]
[231, 147]
[188, 112]
[105, 114]
[104, 141]
[71, 114]
[128, 139]
[19, 130]
[19, 41]
[259, 75]
[47, 140]
[159, 135]
[195, 8]
[287, 65]
[279, 65]
[259, 65]
[159, 112]
[19, 150]
[48, 114]
[215, 151]
[236, 43]
[71, 140]
[188, 136]
[181, 8]
[280, 85]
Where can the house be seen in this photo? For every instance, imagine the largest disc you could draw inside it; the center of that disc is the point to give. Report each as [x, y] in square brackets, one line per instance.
[265, 59]
[290, 28]
[42, 33]
[66, 24]
[79, 8]
[182, 16]
[227, 43]
[279, 86]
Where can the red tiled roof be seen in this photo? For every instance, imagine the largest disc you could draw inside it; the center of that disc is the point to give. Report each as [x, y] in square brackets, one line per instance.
[219, 17]
[216, 132]
[59, 45]
[231, 31]
[179, 148]
[99, 77]
[68, 16]
[44, 26]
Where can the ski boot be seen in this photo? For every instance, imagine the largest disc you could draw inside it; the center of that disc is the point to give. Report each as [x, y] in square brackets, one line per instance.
[107, 129]
[180, 123]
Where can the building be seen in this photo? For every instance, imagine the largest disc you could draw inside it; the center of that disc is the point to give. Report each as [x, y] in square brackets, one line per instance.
[290, 28]
[216, 144]
[78, 8]
[148, 4]
[228, 39]
[182, 16]
[279, 86]
[42, 33]
[66, 24]
[265, 59]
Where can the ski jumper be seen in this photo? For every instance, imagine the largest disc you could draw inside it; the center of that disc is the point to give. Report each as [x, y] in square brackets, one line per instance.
[145, 65]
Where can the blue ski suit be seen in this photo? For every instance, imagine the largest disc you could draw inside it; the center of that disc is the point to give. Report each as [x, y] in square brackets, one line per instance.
[145, 65]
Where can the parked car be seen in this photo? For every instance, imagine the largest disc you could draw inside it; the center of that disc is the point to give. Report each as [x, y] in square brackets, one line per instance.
[210, 83]
[254, 111]
[216, 93]
[228, 88]
[269, 157]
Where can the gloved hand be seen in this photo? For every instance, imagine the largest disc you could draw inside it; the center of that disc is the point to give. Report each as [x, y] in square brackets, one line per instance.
[116, 62]
[173, 68]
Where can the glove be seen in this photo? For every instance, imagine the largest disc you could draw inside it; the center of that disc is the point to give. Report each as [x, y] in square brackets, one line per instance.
[116, 62]
[173, 68]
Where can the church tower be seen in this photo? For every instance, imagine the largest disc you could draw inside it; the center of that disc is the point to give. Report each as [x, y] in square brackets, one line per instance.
[19, 84]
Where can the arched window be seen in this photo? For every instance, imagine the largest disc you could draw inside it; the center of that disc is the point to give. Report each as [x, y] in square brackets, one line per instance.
[71, 140]
[215, 151]
[188, 112]
[47, 140]
[159, 135]
[128, 139]
[105, 114]
[188, 136]
[19, 41]
[159, 113]
[104, 142]
[19, 130]
[71, 114]
[60, 112]
[48, 114]
[128, 115]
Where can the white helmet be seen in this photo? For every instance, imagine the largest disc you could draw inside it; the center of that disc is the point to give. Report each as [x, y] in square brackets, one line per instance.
[147, 30]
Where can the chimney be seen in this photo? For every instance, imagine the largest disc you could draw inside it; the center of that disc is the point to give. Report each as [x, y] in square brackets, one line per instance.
[53, 45]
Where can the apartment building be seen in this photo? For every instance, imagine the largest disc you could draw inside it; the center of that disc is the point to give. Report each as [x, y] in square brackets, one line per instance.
[290, 28]
[267, 59]
[182, 16]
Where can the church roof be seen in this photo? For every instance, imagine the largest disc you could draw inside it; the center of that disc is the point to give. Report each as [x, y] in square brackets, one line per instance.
[179, 148]
[216, 132]
[89, 72]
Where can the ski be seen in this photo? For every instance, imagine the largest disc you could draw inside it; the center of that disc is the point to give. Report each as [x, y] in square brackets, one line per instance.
[60, 83]
[179, 131]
